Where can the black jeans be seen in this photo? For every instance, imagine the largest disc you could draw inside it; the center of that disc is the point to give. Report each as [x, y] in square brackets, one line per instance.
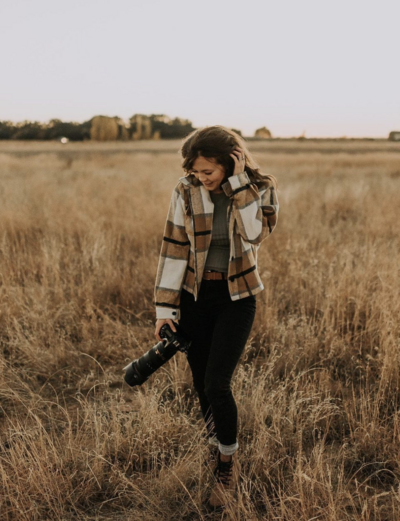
[219, 328]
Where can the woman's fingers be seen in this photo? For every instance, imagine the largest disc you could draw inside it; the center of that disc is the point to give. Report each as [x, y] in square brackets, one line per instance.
[171, 324]
[239, 151]
[240, 160]
[159, 325]
[238, 155]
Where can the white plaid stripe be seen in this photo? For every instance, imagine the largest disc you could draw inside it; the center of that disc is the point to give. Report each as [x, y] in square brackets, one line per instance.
[173, 273]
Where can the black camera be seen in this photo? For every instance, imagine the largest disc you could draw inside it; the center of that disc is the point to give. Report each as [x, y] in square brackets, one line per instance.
[140, 369]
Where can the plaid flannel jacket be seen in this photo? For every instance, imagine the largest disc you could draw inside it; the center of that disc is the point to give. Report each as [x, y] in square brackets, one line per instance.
[252, 216]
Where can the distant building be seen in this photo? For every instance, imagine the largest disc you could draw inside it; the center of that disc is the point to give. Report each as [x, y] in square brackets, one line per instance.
[263, 133]
[394, 135]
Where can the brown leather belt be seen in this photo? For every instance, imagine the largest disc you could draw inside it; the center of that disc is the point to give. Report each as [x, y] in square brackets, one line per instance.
[214, 275]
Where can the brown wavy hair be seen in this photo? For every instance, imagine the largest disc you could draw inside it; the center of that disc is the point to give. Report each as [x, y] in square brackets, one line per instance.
[216, 143]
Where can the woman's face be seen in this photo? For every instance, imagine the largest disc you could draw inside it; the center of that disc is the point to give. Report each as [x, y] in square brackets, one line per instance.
[209, 173]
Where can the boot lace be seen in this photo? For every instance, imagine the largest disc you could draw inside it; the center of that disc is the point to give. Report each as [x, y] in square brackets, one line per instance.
[223, 471]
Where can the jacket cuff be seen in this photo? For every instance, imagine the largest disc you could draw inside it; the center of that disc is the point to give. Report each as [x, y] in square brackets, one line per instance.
[235, 182]
[164, 313]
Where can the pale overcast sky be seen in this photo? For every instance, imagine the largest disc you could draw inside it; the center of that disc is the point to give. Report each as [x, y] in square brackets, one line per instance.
[326, 68]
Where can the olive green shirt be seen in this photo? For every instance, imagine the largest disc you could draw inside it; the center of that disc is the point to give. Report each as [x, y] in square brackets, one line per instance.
[218, 254]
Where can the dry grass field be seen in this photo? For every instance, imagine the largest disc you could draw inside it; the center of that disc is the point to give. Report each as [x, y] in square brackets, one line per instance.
[318, 385]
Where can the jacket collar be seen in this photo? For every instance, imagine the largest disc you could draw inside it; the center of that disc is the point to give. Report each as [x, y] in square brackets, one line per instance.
[189, 180]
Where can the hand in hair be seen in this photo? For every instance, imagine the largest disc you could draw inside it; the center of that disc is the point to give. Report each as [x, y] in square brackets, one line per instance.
[240, 160]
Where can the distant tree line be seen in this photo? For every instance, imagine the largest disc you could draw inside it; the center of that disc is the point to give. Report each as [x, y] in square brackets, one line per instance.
[37, 130]
[155, 126]
[167, 128]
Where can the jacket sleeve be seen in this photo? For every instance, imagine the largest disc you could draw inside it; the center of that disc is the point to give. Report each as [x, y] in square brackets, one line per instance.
[173, 261]
[255, 209]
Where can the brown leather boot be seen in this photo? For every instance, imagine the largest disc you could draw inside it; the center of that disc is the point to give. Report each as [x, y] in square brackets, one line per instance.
[226, 476]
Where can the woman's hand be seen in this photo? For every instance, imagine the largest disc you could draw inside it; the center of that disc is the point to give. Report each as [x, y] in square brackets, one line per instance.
[160, 322]
[240, 160]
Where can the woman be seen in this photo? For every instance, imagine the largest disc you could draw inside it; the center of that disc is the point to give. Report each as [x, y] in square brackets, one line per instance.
[207, 276]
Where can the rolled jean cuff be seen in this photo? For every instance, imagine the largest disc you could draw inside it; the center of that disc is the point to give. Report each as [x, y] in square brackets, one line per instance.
[228, 450]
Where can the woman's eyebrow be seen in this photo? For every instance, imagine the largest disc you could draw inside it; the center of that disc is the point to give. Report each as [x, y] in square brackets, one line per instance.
[205, 170]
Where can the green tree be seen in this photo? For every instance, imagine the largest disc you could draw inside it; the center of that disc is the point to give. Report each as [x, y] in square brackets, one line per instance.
[29, 130]
[7, 129]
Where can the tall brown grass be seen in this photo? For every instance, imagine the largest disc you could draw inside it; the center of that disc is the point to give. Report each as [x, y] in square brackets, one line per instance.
[317, 387]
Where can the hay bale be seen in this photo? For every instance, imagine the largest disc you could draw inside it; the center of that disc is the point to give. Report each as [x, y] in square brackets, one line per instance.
[146, 129]
[263, 133]
[104, 128]
[123, 132]
[394, 135]
[142, 127]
